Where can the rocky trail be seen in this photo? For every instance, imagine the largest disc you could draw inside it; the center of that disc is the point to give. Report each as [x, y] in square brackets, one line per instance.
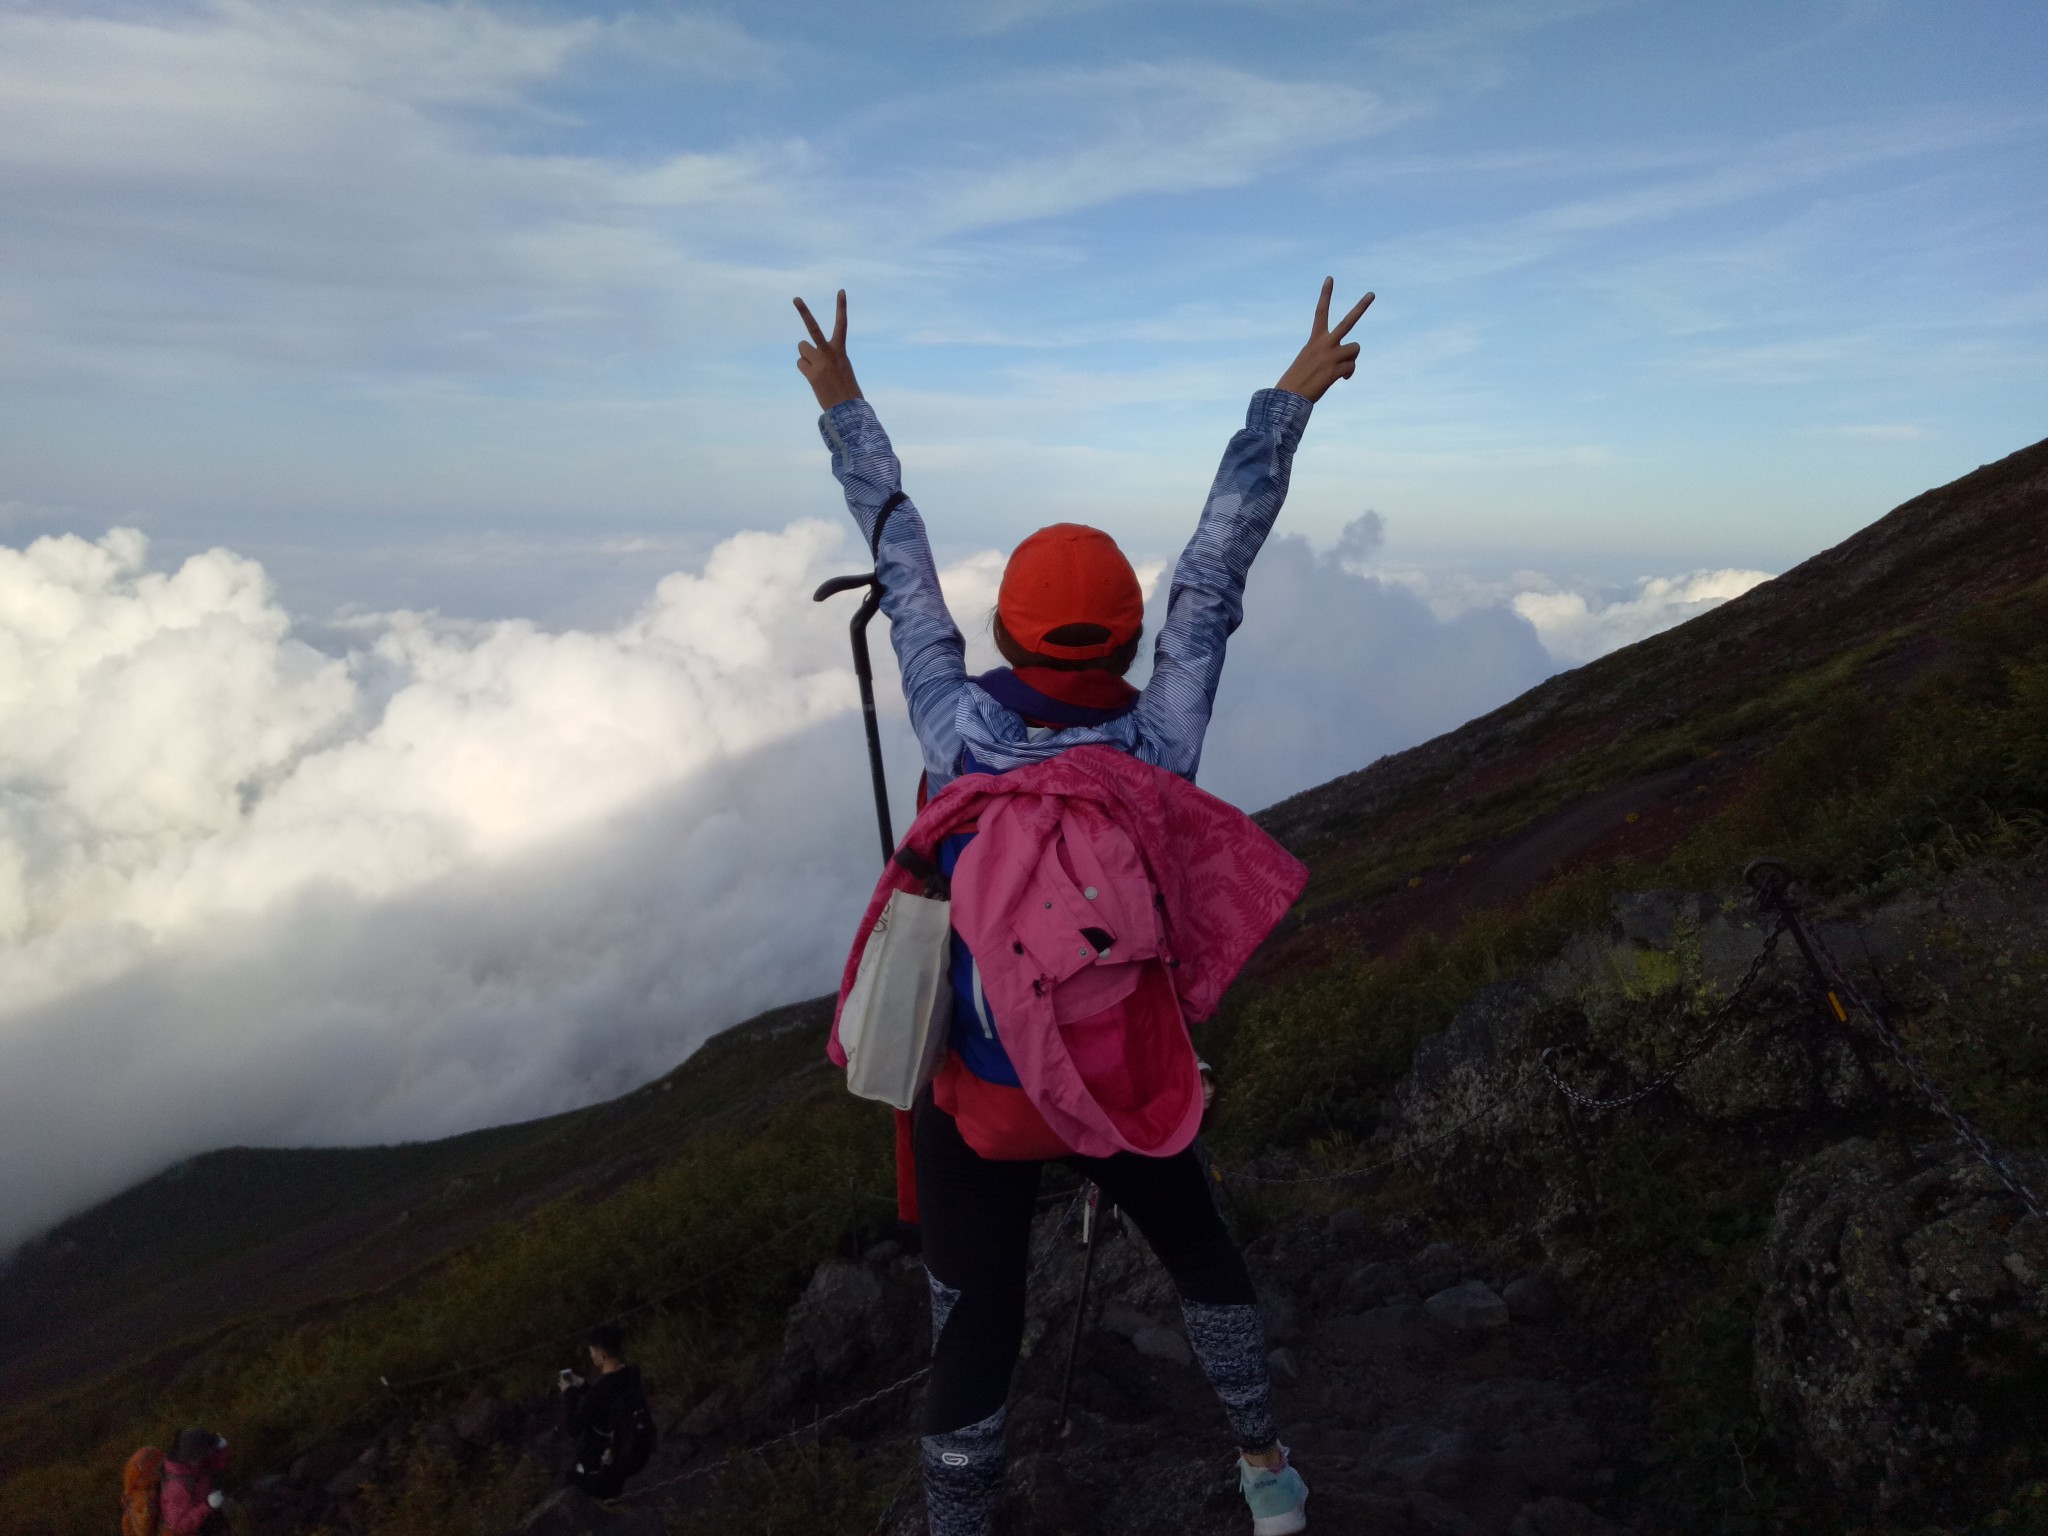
[1461, 1343]
[1424, 1390]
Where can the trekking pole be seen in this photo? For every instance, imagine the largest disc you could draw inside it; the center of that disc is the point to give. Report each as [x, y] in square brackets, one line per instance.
[869, 606]
[1090, 1229]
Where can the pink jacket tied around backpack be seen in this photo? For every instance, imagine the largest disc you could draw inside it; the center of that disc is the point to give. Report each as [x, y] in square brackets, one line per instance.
[1091, 982]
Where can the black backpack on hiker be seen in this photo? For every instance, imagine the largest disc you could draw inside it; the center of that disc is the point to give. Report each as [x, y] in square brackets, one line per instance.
[634, 1437]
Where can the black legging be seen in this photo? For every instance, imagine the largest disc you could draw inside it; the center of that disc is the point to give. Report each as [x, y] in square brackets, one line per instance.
[976, 1215]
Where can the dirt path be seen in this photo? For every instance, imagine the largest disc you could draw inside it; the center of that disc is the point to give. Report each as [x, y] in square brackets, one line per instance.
[1400, 1420]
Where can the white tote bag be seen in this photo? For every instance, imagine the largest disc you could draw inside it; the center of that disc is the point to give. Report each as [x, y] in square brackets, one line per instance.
[894, 1024]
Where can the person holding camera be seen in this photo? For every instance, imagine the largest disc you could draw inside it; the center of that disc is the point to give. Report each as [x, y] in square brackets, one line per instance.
[608, 1415]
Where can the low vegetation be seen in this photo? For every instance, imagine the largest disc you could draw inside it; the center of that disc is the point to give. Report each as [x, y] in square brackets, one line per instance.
[728, 1231]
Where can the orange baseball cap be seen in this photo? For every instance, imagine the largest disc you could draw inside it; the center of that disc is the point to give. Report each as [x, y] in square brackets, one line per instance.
[1069, 575]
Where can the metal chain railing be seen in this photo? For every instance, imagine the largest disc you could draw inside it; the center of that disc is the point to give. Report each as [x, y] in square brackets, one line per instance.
[1772, 883]
[1703, 1042]
[812, 1428]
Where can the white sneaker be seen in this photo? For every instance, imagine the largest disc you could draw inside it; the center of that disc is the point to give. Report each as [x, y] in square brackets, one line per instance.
[1277, 1496]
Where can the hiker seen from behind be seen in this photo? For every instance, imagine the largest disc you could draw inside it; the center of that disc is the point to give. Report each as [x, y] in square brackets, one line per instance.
[1098, 904]
[607, 1416]
[175, 1494]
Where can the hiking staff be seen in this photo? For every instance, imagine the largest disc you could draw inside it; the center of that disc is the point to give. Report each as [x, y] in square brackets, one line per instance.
[865, 672]
[1090, 1229]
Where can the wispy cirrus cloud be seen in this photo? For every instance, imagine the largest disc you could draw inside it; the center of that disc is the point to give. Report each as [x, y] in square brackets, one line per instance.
[1679, 182]
[241, 187]
[1183, 126]
[485, 305]
[235, 185]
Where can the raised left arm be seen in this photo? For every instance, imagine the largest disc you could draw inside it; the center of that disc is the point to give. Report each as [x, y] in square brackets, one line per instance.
[1326, 356]
[1206, 602]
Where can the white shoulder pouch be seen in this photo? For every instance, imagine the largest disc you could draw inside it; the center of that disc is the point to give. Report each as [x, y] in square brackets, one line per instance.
[893, 1027]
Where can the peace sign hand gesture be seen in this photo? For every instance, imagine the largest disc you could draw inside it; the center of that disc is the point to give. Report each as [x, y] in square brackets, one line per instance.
[825, 363]
[1327, 357]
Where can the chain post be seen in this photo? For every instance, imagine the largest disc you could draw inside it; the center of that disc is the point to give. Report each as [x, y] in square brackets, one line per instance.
[1773, 885]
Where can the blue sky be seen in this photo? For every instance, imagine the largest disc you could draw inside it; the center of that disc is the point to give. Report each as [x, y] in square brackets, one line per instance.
[487, 307]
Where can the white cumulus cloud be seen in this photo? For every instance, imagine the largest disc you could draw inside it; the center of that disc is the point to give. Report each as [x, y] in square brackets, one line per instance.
[1577, 626]
[438, 874]
[250, 891]
[1335, 667]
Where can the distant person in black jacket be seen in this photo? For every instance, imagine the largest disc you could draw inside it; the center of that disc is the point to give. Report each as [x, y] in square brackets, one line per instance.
[609, 1417]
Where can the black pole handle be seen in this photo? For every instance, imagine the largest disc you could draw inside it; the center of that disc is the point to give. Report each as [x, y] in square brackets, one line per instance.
[839, 584]
[864, 671]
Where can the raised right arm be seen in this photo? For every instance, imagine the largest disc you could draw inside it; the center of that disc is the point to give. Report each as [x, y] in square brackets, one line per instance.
[929, 651]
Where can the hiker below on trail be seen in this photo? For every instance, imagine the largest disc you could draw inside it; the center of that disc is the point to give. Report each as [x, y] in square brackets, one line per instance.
[608, 1416]
[187, 1501]
[1100, 903]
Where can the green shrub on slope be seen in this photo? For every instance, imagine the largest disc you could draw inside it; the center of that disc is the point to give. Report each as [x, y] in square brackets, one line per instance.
[724, 1208]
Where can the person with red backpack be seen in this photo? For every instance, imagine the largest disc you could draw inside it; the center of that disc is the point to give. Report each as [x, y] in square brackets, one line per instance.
[191, 1503]
[142, 1487]
[1100, 904]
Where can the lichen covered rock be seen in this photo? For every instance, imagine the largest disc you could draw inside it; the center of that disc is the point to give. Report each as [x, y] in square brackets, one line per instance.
[1903, 1335]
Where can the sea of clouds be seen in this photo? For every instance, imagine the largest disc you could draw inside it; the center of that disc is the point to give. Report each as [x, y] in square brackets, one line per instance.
[435, 874]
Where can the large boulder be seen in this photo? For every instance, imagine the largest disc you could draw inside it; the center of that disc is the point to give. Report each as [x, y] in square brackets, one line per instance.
[836, 1320]
[1468, 1308]
[484, 1417]
[1904, 1325]
[852, 1318]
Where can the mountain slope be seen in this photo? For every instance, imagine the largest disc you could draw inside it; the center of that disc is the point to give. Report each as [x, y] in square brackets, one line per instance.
[261, 1230]
[1562, 870]
[1520, 789]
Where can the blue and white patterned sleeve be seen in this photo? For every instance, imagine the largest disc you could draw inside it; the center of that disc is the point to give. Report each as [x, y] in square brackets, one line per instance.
[1206, 603]
[929, 649]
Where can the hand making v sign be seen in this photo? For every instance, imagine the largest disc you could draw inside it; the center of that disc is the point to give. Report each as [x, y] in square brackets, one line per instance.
[824, 362]
[1325, 359]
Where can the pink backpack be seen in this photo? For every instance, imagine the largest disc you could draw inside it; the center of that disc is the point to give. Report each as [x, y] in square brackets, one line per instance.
[1108, 904]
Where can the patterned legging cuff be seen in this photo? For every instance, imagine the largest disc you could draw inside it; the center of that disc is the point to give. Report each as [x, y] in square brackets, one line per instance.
[1230, 1341]
[963, 1478]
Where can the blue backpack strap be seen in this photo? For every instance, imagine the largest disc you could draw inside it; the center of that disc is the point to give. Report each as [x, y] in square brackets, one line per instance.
[895, 500]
